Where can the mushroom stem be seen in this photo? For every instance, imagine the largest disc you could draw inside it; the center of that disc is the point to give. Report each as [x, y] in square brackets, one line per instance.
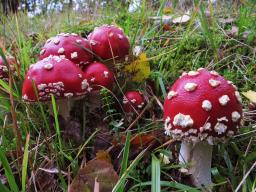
[185, 154]
[63, 108]
[199, 157]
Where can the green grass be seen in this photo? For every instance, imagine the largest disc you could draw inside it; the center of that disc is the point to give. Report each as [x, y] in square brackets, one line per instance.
[203, 42]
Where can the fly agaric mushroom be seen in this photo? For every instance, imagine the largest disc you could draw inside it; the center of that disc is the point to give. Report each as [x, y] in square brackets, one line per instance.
[109, 41]
[132, 101]
[201, 109]
[4, 75]
[99, 75]
[54, 76]
[70, 46]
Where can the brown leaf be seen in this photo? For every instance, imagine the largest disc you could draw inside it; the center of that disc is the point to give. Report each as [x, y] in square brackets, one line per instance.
[95, 170]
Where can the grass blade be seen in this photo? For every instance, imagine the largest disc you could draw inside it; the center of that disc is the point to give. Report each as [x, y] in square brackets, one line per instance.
[119, 184]
[25, 165]
[8, 172]
[155, 175]
[125, 158]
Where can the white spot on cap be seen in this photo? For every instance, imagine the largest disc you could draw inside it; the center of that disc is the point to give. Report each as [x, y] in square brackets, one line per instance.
[200, 69]
[48, 66]
[48, 40]
[56, 41]
[235, 116]
[120, 36]
[220, 128]
[210, 140]
[25, 97]
[125, 100]
[41, 87]
[61, 50]
[171, 94]
[92, 42]
[238, 97]
[193, 73]
[62, 56]
[206, 105]
[106, 74]
[214, 83]
[223, 100]
[74, 34]
[183, 74]
[78, 40]
[68, 95]
[42, 51]
[80, 75]
[214, 73]
[190, 87]
[110, 34]
[74, 55]
[139, 106]
[183, 120]
[133, 100]
[207, 126]
[92, 79]
[222, 119]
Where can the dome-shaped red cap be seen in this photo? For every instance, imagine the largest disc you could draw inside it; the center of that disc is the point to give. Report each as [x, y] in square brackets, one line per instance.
[4, 75]
[99, 75]
[109, 41]
[70, 46]
[202, 105]
[133, 100]
[54, 76]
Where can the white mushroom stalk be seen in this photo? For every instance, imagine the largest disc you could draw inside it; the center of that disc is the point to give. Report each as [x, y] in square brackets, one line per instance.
[63, 108]
[197, 158]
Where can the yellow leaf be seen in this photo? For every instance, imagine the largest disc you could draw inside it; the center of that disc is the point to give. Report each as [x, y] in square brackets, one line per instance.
[140, 68]
[251, 95]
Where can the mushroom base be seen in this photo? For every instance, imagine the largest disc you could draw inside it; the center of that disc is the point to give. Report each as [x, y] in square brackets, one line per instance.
[63, 108]
[198, 157]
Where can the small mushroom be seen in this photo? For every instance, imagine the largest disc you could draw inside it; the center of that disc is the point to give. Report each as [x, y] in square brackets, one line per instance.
[109, 41]
[99, 75]
[133, 101]
[69, 46]
[55, 76]
[4, 74]
[201, 109]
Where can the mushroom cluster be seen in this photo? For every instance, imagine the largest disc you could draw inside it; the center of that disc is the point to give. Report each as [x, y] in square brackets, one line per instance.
[201, 108]
[68, 68]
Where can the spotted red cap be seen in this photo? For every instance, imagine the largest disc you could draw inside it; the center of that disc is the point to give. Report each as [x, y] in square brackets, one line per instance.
[99, 75]
[68, 46]
[133, 100]
[54, 76]
[109, 41]
[202, 105]
[4, 75]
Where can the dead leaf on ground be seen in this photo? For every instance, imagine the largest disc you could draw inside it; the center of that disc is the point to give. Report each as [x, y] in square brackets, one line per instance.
[251, 95]
[95, 170]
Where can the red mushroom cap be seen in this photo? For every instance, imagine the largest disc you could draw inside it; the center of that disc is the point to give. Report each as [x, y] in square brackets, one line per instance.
[99, 75]
[4, 75]
[202, 105]
[109, 41]
[68, 46]
[133, 100]
[54, 76]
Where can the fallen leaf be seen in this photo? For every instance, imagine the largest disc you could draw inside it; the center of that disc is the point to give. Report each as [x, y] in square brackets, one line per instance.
[95, 170]
[140, 68]
[251, 95]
